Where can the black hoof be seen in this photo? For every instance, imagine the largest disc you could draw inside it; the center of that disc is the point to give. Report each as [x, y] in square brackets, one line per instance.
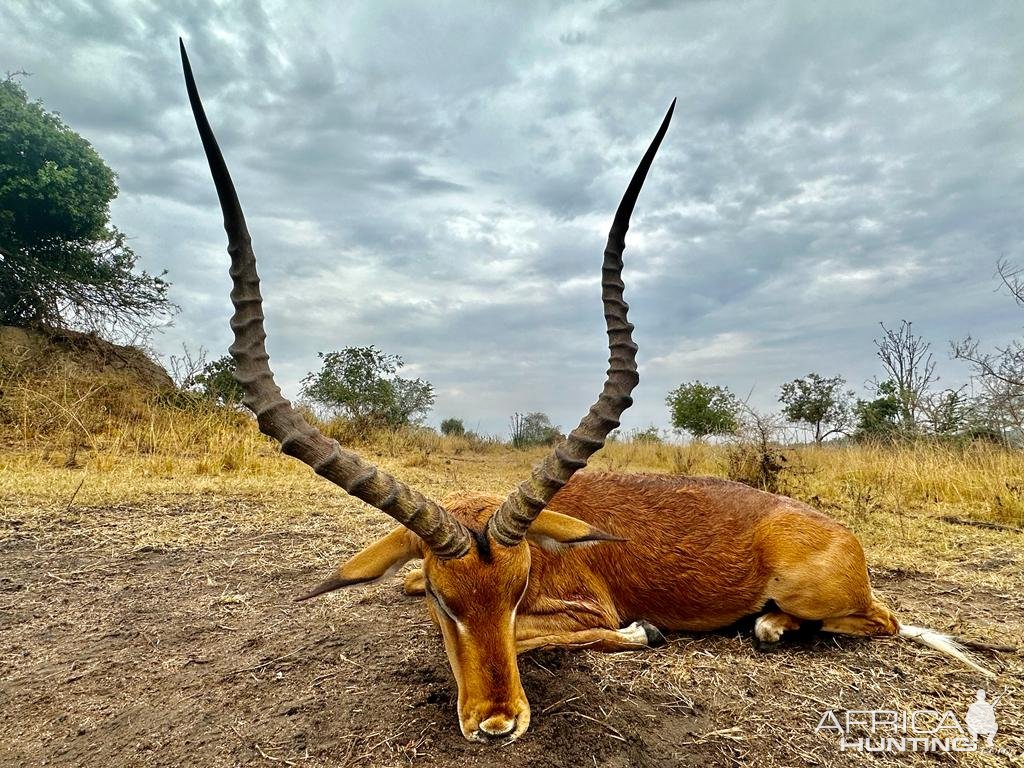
[654, 637]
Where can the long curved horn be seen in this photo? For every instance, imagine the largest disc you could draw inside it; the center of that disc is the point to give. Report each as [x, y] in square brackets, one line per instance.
[445, 535]
[512, 519]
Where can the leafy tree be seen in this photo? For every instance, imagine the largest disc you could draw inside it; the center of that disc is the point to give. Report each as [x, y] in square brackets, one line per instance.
[217, 381]
[823, 404]
[361, 383]
[61, 261]
[453, 427]
[881, 417]
[411, 400]
[533, 429]
[703, 409]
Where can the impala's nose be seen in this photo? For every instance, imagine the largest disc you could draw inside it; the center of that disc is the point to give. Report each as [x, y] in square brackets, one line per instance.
[496, 727]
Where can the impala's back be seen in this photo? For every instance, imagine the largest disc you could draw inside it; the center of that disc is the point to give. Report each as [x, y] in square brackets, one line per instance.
[700, 552]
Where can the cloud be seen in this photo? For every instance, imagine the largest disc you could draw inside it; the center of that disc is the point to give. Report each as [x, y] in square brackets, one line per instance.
[437, 179]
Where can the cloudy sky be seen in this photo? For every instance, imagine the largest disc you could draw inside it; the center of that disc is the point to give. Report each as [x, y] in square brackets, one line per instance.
[438, 178]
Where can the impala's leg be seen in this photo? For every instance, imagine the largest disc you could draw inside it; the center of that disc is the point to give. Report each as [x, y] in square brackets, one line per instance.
[825, 579]
[768, 627]
[832, 587]
[876, 620]
[534, 632]
[414, 582]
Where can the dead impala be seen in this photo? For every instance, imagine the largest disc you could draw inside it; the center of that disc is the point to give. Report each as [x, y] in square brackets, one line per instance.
[599, 561]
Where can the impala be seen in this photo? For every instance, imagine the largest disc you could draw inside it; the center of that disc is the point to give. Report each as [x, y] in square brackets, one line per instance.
[599, 561]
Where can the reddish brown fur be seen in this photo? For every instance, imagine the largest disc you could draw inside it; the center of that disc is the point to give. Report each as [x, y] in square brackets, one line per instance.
[699, 554]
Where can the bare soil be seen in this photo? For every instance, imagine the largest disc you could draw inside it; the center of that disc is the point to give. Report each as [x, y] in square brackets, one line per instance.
[116, 655]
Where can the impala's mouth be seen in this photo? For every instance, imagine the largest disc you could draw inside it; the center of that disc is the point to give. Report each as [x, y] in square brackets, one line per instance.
[498, 730]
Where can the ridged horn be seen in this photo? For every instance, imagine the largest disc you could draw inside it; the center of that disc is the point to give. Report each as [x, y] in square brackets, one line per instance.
[509, 524]
[445, 535]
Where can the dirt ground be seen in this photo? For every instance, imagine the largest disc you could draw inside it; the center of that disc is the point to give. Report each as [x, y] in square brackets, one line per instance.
[121, 650]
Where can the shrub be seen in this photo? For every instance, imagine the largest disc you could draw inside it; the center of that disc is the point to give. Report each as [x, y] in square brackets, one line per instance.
[650, 435]
[533, 429]
[453, 428]
[755, 458]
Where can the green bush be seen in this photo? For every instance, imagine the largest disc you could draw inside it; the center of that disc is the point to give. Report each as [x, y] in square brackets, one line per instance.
[453, 428]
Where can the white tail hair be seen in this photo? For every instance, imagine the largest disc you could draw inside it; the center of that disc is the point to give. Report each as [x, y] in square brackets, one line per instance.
[943, 644]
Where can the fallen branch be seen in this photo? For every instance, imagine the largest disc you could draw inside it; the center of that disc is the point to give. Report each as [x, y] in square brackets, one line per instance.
[980, 524]
[71, 501]
[978, 645]
[612, 731]
[273, 759]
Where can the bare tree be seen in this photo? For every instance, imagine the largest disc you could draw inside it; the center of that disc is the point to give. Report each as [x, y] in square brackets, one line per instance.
[910, 365]
[754, 455]
[1005, 364]
[1013, 278]
[998, 407]
[945, 412]
[1000, 373]
[185, 367]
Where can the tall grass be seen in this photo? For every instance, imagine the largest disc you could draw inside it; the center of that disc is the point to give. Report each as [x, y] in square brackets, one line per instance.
[981, 478]
[66, 419]
[62, 415]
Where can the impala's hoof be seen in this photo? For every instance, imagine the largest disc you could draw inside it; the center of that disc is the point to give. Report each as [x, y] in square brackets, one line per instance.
[414, 584]
[769, 628]
[764, 646]
[654, 637]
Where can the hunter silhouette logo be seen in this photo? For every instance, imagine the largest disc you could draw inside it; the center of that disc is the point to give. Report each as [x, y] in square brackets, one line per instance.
[981, 718]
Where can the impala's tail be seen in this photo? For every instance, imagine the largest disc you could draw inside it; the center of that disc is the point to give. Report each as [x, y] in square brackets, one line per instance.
[943, 644]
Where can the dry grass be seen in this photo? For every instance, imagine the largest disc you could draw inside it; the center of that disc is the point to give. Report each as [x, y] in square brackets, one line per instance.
[892, 495]
[105, 484]
[55, 414]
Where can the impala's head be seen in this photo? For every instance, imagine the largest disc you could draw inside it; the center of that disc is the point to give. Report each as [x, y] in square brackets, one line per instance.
[473, 600]
[476, 561]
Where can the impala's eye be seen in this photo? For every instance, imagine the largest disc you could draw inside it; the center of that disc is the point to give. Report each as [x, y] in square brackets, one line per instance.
[438, 601]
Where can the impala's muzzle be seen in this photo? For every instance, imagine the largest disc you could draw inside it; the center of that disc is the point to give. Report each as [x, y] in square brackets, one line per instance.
[492, 703]
[497, 728]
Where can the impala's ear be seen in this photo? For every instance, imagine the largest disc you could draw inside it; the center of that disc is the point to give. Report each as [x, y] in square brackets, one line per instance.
[380, 559]
[553, 530]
